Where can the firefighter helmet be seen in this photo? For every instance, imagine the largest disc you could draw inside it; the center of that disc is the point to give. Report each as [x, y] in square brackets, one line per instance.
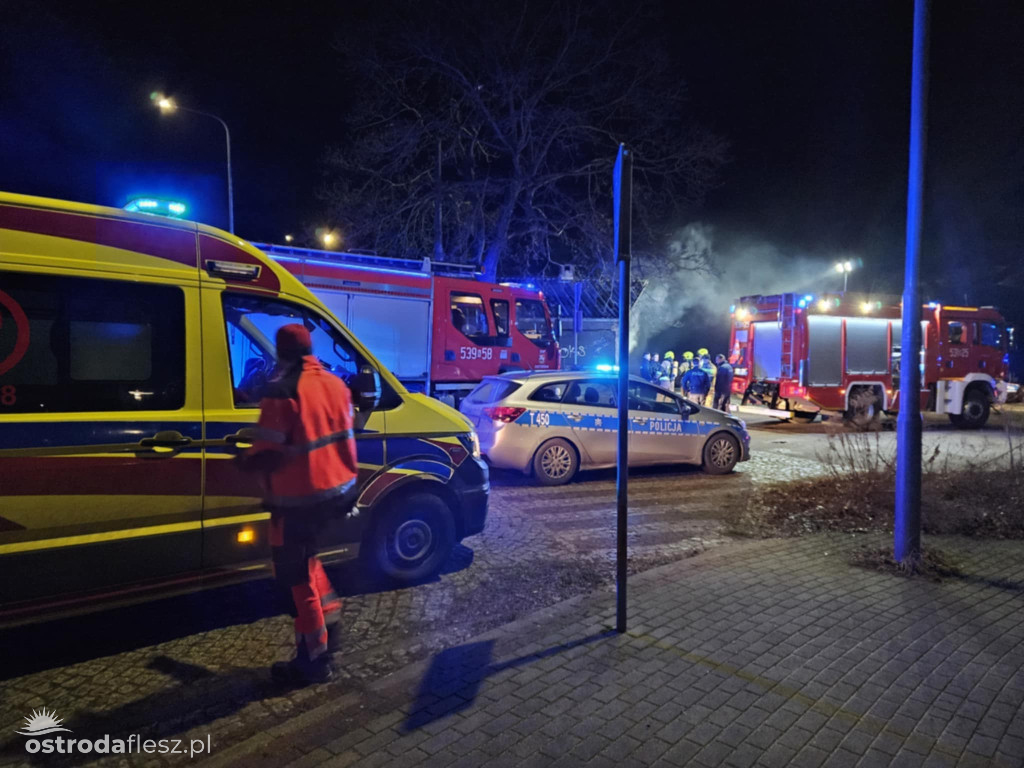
[670, 355]
[687, 355]
[702, 352]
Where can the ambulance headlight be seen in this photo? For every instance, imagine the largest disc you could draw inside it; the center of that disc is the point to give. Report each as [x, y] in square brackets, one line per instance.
[472, 443]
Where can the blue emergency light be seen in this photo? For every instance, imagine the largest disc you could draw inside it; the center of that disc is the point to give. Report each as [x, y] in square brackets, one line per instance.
[158, 206]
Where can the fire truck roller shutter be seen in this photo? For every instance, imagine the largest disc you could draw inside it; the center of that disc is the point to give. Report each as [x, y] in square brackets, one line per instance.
[867, 345]
[396, 330]
[824, 351]
[767, 350]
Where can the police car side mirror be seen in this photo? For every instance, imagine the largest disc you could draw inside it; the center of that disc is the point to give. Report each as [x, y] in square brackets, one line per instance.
[366, 389]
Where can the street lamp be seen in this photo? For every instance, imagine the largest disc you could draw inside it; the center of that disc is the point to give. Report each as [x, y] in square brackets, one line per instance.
[288, 238]
[329, 239]
[167, 105]
[844, 268]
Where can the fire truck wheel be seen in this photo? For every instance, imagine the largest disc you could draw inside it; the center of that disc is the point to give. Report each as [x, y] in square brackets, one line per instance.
[864, 409]
[975, 413]
[414, 537]
[555, 462]
[721, 453]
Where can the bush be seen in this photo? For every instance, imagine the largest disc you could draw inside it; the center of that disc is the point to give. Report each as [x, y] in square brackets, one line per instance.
[857, 494]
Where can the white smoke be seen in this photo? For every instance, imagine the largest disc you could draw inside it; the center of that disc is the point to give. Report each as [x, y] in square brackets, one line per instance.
[701, 275]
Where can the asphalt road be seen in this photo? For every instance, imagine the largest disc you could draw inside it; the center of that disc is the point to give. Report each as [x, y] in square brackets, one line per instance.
[200, 660]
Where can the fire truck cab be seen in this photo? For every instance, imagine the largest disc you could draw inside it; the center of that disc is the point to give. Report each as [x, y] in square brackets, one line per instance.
[439, 330]
[841, 352]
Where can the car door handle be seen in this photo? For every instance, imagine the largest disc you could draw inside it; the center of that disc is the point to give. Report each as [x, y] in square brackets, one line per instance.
[166, 439]
[574, 417]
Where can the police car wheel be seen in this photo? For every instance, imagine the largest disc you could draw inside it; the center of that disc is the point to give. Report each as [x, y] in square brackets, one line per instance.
[414, 537]
[721, 453]
[555, 462]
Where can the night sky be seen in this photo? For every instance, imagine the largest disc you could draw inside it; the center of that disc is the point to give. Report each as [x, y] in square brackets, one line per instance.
[813, 97]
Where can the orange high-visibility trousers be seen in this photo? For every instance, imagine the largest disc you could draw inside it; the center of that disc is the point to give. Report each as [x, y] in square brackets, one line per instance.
[299, 571]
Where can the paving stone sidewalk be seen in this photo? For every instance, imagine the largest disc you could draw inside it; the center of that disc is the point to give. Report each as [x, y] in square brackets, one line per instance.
[773, 653]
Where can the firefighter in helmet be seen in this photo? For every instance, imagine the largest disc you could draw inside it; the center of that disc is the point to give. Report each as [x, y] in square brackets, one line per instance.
[665, 373]
[306, 451]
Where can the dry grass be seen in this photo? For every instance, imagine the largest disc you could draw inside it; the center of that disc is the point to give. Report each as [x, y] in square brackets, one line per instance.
[857, 494]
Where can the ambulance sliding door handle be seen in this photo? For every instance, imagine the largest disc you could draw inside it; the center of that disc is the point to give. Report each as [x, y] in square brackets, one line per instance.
[243, 438]
[171, 439]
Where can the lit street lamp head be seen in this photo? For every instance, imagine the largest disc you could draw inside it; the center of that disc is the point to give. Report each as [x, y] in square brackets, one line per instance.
[165, 103]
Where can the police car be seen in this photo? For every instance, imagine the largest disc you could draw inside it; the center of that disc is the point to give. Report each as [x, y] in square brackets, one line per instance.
[553, 424]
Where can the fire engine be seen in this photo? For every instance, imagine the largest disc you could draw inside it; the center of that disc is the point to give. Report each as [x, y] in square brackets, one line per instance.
[841, 352]
[435, 326]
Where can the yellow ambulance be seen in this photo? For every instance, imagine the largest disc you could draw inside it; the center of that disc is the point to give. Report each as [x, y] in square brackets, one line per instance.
[132, 351]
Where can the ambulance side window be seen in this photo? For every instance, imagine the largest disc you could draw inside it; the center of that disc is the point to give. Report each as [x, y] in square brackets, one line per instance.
[251, 323]
[73, 344]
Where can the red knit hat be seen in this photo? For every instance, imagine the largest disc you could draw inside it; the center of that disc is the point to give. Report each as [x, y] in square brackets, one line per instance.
[293, 341]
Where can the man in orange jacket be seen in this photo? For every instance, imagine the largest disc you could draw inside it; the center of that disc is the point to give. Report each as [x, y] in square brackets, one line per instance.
[306, 448]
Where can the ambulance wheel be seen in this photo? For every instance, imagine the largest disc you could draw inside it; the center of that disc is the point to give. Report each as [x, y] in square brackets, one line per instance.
[555, 462]
[414, 536]
[721, 453]
[975, 412]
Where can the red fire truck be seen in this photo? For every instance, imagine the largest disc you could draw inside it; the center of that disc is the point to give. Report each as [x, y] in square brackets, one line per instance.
[841, 352]
[438, 329]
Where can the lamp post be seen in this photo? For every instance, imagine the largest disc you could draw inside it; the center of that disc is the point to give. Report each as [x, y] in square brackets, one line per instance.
[845, 268]
[166, 105]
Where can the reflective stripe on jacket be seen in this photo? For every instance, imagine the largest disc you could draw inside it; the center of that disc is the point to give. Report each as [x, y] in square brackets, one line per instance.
[306, 417]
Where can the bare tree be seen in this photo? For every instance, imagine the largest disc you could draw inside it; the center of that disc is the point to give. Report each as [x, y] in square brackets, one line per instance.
[488, 136]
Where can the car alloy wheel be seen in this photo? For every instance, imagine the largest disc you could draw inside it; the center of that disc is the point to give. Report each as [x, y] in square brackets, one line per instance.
[556, 461]
[722, 452]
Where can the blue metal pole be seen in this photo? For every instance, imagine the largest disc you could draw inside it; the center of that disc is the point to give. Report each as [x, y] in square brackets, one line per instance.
[907, 531]
[623, 180]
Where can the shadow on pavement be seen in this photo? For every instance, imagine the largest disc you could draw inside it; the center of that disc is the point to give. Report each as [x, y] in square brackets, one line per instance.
[461, 669]
[202, 698]
[1007, 584]
[505, 478]
[74, 639]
